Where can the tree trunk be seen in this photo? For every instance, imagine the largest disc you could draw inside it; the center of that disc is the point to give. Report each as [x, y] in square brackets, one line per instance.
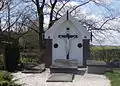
[51, 13]
[41, 22]
[41, 31]
[41, 28]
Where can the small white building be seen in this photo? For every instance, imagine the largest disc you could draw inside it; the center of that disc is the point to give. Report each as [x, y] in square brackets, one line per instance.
[67, 39]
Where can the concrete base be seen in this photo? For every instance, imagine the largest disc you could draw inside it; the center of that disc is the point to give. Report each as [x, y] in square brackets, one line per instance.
[97, 67]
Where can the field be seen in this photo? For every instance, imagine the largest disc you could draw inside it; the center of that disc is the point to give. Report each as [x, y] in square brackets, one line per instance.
[106, 53]
[96, 48]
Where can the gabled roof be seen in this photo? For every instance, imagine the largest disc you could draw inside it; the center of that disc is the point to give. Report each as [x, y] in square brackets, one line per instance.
[51, 31]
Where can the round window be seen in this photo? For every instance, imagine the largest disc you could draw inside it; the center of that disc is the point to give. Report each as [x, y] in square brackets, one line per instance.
[79, 45]
[67, 28]
[55, 45]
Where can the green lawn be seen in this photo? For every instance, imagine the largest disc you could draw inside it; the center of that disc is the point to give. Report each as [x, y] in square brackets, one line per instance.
[1, 76]
[6, 79]
[96, 48]
[114, 77]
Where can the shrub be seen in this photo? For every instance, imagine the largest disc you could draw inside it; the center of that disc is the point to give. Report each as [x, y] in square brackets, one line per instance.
[29, 60]
[106, 54]
[12, 56]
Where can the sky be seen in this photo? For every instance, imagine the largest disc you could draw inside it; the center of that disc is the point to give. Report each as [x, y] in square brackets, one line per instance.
[91, 11]
[97, 13]
[109, 37]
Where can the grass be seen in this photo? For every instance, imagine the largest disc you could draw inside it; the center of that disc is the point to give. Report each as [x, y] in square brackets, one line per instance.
[1, 76]
[97, 48]
[114, 77]
[6, 79]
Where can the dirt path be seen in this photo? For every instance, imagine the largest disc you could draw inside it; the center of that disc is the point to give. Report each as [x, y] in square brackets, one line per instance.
[39, 79]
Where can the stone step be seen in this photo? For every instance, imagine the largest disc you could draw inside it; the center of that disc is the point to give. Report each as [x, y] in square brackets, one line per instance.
[79, 71]
[63, 70]
[64, 66]
[60, 77]
[65, 63]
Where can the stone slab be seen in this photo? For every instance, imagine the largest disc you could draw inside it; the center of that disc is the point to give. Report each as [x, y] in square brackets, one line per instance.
[32, 71]
[97, 67]
[37, 69]
[60, 77]
[96, 63]
[96, 70]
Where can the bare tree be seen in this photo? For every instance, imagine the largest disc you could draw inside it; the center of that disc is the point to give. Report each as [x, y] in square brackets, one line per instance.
[40, 5]
[54, 12]
[3, 4]
[10, 17]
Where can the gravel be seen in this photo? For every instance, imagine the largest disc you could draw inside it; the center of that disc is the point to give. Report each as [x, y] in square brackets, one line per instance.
[39, 79]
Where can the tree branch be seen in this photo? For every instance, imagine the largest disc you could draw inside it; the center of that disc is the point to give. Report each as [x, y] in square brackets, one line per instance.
[80, 5]
[14, 21]
[3, 4]
[61, 8]
[51, 13]
[106, 22]
[20, 35]
[98, 28]
[32, 22]
[34, 2]
[30, 28]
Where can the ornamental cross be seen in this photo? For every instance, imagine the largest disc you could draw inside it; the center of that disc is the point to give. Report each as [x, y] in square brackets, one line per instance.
[67, 38]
